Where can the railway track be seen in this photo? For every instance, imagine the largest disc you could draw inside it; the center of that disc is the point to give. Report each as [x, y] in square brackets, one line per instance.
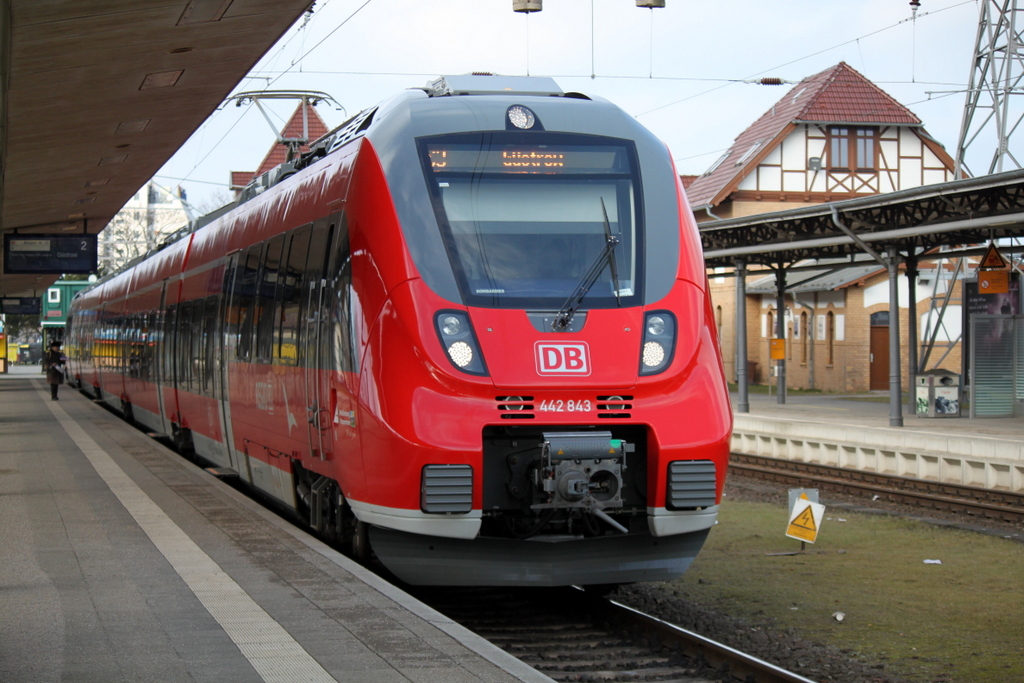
[1004, 506]
[572, 635]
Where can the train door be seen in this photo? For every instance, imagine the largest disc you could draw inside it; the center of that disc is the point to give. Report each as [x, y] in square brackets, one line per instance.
[287, 352]
[160, 364]
[232, 299]
[316, 340]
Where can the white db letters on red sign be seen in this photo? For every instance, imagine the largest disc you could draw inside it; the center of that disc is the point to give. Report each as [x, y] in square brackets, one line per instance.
[563, 358]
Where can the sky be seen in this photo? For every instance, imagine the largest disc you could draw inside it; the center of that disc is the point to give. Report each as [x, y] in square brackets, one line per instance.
[679, 70]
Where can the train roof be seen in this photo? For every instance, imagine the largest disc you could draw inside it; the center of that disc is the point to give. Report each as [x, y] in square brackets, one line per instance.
[465, 85]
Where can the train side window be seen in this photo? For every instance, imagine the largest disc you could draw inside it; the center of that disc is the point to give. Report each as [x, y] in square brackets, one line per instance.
[183, 368]
[146, 340]
[168, 346]
[319, 303]
[290, 287]
[209, 343]
[230, 288]
[264, 316]
[344, 342]
[196, 359]
[245, 296]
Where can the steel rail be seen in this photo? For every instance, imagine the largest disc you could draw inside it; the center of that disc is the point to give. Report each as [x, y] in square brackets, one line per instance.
[1002, 505]
[735, 663]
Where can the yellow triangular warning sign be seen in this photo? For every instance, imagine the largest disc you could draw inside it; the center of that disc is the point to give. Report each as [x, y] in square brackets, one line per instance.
[805, 520]
[993, 260]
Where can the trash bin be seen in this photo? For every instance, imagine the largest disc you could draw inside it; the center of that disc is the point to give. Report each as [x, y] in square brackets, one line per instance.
[751, 372]
[937, 394]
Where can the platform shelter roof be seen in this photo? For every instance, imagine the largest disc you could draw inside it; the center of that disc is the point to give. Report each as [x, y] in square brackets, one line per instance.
[972, 211]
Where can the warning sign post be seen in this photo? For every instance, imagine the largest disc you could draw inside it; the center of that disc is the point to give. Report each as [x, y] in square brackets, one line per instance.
[805, 515]
[805, 520]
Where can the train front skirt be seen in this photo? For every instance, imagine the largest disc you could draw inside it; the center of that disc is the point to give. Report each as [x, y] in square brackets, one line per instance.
[436, 561]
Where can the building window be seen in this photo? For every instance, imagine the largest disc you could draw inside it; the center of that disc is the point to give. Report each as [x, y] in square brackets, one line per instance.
[830, 337]
[852, 149]
[53, 296]
[715, 165]
[803, 340]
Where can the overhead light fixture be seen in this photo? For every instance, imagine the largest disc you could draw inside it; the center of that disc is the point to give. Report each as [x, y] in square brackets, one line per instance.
[527, 6]
[97, 182]
[136, 126]
[203, 11]
[117, 159]
[161, 79]
[179, 50]
[85, 200]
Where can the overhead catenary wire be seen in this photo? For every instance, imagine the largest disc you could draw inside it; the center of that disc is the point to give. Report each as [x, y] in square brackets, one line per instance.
[800, 59]
[271, 82]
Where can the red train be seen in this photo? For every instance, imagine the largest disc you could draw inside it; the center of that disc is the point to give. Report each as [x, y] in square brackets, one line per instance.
[470, 330]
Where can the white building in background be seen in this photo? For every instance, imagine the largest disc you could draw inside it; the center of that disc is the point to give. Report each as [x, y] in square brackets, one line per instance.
[153, 213]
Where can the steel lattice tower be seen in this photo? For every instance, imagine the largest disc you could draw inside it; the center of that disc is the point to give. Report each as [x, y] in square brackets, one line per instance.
[997, 69]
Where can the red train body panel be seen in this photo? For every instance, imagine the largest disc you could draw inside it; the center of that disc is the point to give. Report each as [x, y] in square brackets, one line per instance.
[470, 331]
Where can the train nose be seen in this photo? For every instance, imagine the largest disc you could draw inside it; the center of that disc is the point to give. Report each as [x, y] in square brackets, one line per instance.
[603, 354]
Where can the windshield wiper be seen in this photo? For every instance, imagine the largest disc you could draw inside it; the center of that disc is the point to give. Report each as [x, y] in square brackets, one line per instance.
[611, 254]
[606, 258]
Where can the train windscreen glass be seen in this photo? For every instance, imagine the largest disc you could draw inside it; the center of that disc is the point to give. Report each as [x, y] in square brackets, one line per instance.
[524, 217]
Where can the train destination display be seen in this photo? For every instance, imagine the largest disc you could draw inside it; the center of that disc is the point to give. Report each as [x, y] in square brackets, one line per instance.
[49, 254]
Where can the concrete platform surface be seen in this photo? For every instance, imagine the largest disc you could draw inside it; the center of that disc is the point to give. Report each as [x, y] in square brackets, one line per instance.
[121, 561]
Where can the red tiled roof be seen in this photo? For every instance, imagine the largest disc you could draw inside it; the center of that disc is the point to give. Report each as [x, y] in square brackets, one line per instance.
[239, 179]
[278, 154]
[839, 94]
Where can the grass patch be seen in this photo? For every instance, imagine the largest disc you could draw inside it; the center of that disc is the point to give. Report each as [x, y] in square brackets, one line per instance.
[958, 621]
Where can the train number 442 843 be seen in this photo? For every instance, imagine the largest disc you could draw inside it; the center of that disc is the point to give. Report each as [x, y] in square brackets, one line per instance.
[570, 406]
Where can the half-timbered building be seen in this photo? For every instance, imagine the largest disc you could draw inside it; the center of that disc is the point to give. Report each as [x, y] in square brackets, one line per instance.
[833, 136]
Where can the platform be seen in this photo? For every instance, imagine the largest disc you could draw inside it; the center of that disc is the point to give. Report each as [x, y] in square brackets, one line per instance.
[855, 432]
[121, 561]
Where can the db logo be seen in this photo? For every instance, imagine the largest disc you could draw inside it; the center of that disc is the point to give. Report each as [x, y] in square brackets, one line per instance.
[563, 359]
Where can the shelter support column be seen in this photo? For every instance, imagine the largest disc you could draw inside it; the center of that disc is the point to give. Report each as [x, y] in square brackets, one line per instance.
[743, 400]
[780, 329]
[911, 322]
[895, 398]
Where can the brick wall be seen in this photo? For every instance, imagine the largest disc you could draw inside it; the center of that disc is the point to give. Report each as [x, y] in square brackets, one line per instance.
[850, 368]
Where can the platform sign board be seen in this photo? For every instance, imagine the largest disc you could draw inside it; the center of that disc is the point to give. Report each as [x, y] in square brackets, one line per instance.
[49, 254]
[777, 349]
[29, 305]
[994, 282]
[805, 520]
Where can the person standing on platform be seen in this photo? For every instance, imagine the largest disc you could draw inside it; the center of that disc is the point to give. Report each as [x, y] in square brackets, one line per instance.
[53, 363]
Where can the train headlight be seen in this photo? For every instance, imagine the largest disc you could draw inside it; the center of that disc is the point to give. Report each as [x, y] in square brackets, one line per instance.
[451, 325]
[655, 325]
[521, 117]
[461, 354]
[459, 342]
[654, 354]
[659, 342]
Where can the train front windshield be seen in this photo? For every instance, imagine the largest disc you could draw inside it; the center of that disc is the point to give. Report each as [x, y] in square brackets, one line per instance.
[525, 216]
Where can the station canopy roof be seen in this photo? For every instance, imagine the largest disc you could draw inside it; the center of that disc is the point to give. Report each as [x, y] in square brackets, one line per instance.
[962, 212]
[96, 95]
